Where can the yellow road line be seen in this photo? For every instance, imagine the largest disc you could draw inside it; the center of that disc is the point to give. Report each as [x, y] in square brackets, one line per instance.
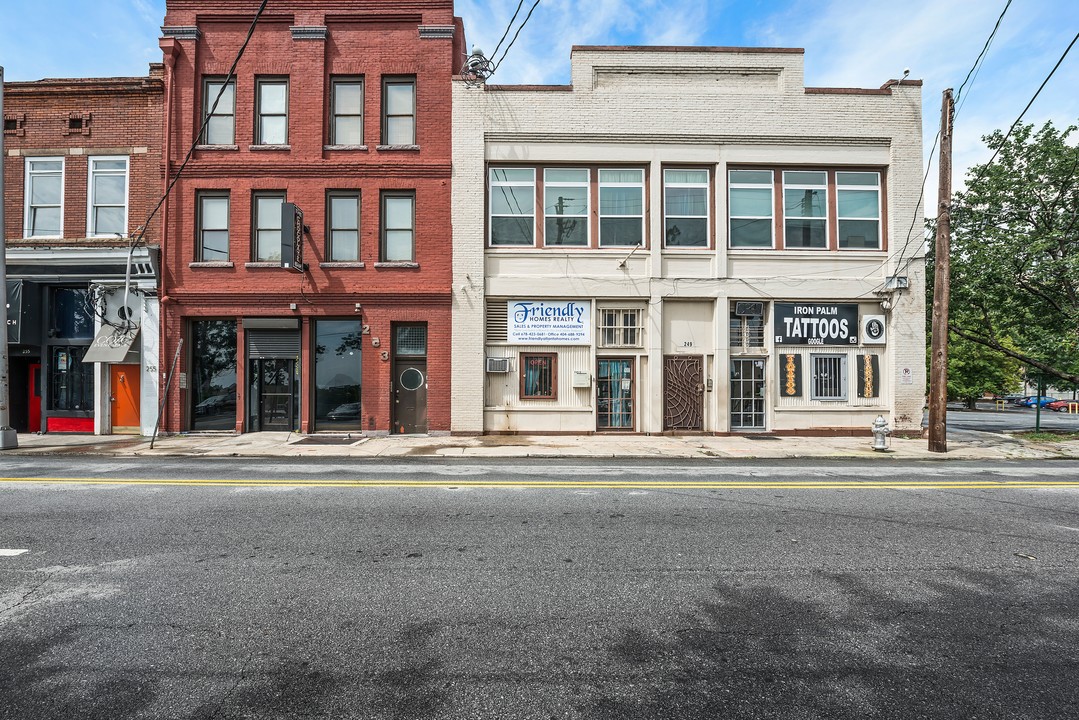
[576, 484]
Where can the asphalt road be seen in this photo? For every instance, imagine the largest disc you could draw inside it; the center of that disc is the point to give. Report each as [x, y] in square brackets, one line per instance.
[928, 590]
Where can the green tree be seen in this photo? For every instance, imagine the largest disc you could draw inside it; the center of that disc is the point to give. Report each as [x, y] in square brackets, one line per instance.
[1015, 252]
[975, 370]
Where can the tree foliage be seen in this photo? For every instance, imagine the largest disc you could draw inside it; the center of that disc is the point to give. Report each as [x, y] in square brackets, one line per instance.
[1015, 251]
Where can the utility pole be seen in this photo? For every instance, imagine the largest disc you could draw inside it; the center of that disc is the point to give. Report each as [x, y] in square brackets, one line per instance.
[942, 268]
[8, 439]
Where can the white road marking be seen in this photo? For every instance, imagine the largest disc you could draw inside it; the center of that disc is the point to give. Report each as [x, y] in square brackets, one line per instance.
[12, 552]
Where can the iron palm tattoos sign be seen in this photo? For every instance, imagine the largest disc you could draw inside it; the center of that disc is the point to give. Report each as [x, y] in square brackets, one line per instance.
[816, 323]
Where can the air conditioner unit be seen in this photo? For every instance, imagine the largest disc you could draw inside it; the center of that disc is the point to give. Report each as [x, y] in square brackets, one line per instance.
[498, 364]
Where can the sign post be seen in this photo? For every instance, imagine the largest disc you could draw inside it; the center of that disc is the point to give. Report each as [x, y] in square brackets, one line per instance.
[8, 439]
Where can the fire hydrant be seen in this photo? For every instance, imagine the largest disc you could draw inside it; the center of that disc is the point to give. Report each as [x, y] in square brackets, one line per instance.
[881, 431]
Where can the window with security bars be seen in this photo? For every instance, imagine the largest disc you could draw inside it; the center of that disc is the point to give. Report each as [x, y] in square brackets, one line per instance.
[829, 377]
[747, 331]
[620, 327]
[411, 340]
[539, 376]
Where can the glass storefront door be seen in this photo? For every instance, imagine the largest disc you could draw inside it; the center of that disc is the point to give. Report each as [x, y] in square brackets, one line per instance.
[614, 394]
[272, 400]
[747, 393]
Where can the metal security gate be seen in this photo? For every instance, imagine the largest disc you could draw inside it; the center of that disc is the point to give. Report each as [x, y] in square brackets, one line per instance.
[747, 393]
[683, 392]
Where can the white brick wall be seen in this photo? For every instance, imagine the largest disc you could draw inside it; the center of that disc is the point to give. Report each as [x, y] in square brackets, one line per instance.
[650, 108]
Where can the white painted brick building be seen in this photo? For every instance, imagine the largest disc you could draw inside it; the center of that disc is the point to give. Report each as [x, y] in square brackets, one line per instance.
[688, 240]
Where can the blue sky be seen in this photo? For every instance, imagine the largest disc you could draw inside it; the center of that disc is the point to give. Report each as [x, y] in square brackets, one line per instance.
[848, 43]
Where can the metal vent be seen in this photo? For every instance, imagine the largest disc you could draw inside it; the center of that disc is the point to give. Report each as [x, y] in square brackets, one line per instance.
[497, 323]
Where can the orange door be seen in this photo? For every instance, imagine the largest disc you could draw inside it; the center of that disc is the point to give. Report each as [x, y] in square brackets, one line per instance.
[125, 398]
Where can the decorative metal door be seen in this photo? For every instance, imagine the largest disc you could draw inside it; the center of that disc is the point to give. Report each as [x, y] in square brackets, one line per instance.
[683, 392]
[747, 393]
[614, 394]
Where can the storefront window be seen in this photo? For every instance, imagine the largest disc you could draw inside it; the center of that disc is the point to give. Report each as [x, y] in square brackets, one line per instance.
[71, 382]
[72, 317]
[337, 374]
[213, 377]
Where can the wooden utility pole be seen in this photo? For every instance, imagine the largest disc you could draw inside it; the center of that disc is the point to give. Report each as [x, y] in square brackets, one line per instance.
[942, 268]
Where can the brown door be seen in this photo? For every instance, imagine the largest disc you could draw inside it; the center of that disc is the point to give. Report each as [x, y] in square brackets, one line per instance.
[124, 382]
[409, 389]
[683, 392]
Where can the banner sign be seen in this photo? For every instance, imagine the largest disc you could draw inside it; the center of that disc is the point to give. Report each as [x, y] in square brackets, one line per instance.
[549, 322]
[816, 324]
[292, 237]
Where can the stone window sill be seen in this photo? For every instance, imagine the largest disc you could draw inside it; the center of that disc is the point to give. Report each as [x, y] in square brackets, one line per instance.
[341, 264]
[262, 264]
[362, 148]
[383, 148]
[217, 147]
[211, 264]
[397, 264]
[270, 147]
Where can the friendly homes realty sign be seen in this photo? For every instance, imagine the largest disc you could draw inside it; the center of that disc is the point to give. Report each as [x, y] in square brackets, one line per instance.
[816, 323]
[549, 322]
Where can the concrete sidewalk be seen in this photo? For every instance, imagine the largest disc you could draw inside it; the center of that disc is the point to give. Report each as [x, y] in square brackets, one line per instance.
[962, 445]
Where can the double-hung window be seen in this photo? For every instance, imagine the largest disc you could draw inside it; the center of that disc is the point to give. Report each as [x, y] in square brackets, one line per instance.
[751, 209]
[343, 225]
[829, 376]
[858, 210]
[213, 227]
[565, 207]
[398, 226]
[399, 111]
[805, 209]
[621, 207]
[513, 206]
[107, 202]
[685, 208]
[539, 376]
[346, 111]
[272, 110]
[44, 197]
[220, 121]
[266, 207]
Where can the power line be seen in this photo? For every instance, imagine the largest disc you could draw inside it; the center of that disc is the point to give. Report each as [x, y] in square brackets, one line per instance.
[198, 136]
[509, 26]
[976, 67]
[1038, 92]
[519, 29]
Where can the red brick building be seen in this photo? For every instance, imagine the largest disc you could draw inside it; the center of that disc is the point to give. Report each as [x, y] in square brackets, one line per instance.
[342, 111]
[82, 173]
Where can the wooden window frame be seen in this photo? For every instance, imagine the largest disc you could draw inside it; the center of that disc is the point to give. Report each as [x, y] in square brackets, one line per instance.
[91, 199]
[338, 80]
[709, 214]
[553, 359]
[257, 195]
[260, 83]
[200, 246]
[28, 211]
[387, 81]
[207, 104]
[383, 229]
[330, 196]
[536, 188]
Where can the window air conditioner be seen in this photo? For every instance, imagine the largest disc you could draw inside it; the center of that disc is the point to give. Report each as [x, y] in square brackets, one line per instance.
[498, 364]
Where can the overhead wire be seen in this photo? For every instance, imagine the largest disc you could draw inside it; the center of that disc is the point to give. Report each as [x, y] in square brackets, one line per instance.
[976, 67]
[509, 26]
[515, 35]
[202, 128]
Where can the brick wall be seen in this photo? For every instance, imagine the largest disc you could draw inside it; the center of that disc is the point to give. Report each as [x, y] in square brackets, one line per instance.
[118, 116]
[362, 38]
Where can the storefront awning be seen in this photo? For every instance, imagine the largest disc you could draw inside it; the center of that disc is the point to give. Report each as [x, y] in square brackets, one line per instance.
[111, 345]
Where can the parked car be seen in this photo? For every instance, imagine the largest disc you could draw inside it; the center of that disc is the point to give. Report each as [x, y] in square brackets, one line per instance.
[347, 411]
[1061, 405]
[1020, 400]
[1033, 400]
[215, 404]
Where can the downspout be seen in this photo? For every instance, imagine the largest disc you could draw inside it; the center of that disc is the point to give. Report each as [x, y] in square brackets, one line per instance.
[169, 46]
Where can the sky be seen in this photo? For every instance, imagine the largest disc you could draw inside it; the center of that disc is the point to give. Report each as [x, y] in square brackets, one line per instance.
[847, 43]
